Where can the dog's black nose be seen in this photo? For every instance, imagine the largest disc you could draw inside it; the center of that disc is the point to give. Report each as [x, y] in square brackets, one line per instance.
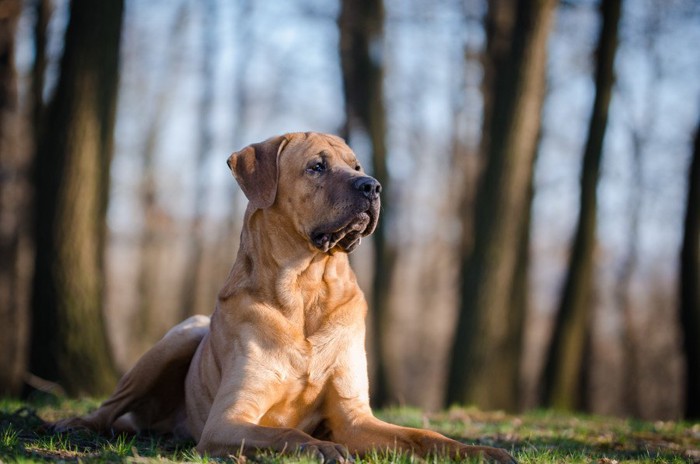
[369, 186]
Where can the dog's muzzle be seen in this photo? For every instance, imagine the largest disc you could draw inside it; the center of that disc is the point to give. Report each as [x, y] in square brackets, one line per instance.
[348, 233]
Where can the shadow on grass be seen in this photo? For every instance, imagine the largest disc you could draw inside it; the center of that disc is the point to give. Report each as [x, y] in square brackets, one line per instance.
[571, 449]
[25, 437]
[605, 451]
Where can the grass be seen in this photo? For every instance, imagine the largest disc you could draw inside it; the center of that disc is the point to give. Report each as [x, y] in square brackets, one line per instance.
[536, 437]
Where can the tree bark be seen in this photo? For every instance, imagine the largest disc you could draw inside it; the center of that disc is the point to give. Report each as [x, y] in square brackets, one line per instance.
[42, 11]
[361, 34]
[563, 385]
[623, 287]
[195, 254]
[145, 322]
[14, 198]
[485, 361]
[690, 287]
[71, 178]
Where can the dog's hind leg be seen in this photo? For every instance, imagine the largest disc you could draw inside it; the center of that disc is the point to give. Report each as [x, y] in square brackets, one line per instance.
[152, 394]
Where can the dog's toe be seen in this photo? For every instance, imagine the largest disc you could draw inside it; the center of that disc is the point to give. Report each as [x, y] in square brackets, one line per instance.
[500, 456]
[66, 425]
[327, 452]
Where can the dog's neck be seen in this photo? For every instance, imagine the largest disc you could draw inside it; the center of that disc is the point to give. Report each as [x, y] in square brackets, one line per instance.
[282, 269]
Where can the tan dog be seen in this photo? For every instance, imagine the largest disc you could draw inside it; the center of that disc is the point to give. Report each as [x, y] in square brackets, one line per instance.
[282, 364]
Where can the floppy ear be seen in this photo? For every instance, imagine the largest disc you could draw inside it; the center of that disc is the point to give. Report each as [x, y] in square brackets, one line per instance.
[255, 170]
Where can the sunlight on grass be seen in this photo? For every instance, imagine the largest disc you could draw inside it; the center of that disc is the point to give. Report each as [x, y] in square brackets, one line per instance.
[9, 438]
[122, 446]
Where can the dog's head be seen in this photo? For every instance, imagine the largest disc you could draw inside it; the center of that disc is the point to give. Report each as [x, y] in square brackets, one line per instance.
[314, 180]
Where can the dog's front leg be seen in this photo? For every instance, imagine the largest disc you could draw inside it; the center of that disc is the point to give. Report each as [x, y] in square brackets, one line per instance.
[353, 425]
[228, 437]
[233, 422]
[367, 433]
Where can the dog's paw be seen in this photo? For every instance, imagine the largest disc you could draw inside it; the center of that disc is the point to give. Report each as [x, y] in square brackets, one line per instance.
[327, 452]
[489, 454]
[499, 455]
[70, 424]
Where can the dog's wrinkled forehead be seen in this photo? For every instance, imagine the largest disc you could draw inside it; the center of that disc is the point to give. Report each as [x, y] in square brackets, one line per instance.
[310, 144]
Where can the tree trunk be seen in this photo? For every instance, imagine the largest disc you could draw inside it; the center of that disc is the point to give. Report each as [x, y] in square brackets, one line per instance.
[42, 11]
[486, 352]
[623, 287]
[14, 195]
[641, 129]
[147, 323]
[228, 236]
[69, 339]
[145, 328]
[562, 384]
[690, 287]
[195, 253]
[361, 33]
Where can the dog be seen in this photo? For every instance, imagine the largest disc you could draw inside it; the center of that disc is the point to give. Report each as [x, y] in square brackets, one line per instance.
[281, 363]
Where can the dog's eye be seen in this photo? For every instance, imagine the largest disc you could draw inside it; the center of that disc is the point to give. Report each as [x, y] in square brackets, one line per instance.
[317, 167]
[358, 168]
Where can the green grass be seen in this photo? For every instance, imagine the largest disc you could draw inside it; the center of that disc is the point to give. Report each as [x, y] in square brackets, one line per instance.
[536, 437]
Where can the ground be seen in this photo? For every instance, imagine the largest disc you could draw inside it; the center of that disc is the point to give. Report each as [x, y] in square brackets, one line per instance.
[534, 437]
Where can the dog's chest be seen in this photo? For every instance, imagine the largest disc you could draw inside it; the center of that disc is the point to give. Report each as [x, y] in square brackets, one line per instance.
[300, 407]
[300, 396]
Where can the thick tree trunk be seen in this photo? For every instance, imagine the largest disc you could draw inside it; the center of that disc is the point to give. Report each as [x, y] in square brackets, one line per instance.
[690, 287]
[69, 339]
[563, 386]
[14, 197]
[486, 351]
[361, 31]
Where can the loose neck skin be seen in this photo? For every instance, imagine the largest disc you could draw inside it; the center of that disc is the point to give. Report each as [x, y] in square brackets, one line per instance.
[276, 265]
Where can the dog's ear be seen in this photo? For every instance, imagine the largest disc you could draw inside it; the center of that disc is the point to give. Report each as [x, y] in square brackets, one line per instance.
[255, 170]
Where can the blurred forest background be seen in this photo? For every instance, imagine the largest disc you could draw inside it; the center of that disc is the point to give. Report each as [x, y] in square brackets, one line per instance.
[539, 243]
